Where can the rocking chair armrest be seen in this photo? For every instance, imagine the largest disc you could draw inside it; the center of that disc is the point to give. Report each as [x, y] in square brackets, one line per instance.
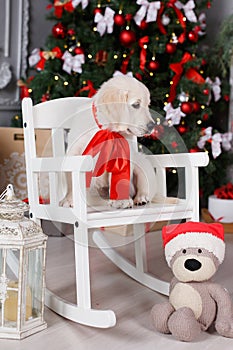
[185, 160]
[62, 164]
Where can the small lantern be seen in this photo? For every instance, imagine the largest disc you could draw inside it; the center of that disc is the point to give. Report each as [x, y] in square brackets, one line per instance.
[22, 270]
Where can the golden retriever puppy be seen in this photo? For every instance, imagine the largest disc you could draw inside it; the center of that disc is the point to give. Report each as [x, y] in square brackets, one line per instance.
[121, 105]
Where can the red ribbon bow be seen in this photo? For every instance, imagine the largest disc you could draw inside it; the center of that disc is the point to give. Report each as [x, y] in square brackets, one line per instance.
[114, 157]
[193, 75]
[125, 62]
[59, 7]
[89, 87]
[177, 68]
[143, 41]
[225, 191]
[45, 55]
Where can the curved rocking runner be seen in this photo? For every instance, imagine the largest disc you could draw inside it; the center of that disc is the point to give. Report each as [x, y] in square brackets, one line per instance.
[134, 271]
[85, 316]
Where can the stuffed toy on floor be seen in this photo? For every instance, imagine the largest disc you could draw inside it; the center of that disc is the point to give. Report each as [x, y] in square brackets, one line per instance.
[194, 251]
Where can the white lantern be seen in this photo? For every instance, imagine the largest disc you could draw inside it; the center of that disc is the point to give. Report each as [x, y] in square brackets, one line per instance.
[22, 270]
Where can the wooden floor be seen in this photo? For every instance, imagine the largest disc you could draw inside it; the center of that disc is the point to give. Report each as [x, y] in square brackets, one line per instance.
[112, 289]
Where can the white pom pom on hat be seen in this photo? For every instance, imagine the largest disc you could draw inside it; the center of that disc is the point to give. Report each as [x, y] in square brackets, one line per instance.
[193, 235]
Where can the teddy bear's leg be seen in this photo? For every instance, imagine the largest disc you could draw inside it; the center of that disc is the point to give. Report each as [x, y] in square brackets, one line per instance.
[160, 314]
[183, 324]
[225, 327]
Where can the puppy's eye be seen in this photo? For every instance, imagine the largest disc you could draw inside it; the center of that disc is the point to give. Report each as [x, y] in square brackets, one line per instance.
[136, 105]
[199, 251]
[184, 251]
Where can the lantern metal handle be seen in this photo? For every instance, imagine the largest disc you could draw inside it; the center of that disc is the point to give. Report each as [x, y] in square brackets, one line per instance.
[8, 193]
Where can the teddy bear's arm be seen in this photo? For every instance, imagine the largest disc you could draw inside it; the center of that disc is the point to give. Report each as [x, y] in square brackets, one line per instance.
[224, 319]
[173, 282]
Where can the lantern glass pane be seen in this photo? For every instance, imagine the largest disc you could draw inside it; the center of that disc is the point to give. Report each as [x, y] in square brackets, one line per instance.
[34, 283]
[9, 287]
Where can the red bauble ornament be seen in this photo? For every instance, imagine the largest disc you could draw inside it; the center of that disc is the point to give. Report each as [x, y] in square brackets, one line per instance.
[196, 106]
[206, 92]
[119, 20]
[157, 132]
[193, 36]
[127, 38]
[205, 116]
[97, 10]
[71, 32]
[182, 129]
[79, 50]
[170, 48]
[59, 31]
[208, 5]
[203, 62]
[186, 107]
[226, 98]
[153, 65]
[143, 25]
[128, 17]
[174, 144]
[45, 97]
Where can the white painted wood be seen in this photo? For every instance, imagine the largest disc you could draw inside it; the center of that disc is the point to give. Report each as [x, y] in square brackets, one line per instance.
[85, 316]
[81, 241]
[59, 115]
[140, 247]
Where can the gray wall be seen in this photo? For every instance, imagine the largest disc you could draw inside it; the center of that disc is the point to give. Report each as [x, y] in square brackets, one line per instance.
[40, 27]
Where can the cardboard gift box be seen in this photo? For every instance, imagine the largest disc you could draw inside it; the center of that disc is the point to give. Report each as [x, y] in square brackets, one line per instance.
[221, 209]
[12, 161]
[127, 230]
[12, 168]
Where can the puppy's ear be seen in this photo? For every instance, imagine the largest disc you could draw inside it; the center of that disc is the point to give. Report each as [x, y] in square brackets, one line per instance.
[111, 95]
[123, 95]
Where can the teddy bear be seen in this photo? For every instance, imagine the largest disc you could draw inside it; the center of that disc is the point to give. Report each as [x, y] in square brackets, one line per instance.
[194, 251]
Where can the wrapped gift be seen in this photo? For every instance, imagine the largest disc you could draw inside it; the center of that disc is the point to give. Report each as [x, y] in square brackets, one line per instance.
[220, 204]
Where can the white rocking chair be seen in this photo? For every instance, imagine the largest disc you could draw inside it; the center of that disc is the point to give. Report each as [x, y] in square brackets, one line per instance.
[57, 115]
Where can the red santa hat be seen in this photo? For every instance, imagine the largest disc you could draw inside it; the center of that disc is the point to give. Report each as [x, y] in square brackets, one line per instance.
[194, 235]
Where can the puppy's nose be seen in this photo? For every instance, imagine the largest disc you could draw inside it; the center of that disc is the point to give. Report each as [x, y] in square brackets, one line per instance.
[192, 264]
[150, 126]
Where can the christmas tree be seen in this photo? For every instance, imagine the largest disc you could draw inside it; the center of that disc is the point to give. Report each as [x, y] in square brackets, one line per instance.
[158, 42]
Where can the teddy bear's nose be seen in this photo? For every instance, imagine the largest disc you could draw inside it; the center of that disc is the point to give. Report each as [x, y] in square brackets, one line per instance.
[192, 264]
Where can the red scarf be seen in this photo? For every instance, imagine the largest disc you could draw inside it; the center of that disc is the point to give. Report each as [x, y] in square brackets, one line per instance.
[114, 157]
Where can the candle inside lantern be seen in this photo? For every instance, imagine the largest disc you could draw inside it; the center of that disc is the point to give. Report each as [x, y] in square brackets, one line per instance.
[11, 303]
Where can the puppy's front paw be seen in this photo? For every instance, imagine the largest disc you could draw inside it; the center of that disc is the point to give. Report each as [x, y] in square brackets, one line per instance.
[67, 202]
[121, 204]
[141, 199]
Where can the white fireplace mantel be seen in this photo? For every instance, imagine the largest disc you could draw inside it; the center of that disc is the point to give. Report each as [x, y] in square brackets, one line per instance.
[14, 18]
